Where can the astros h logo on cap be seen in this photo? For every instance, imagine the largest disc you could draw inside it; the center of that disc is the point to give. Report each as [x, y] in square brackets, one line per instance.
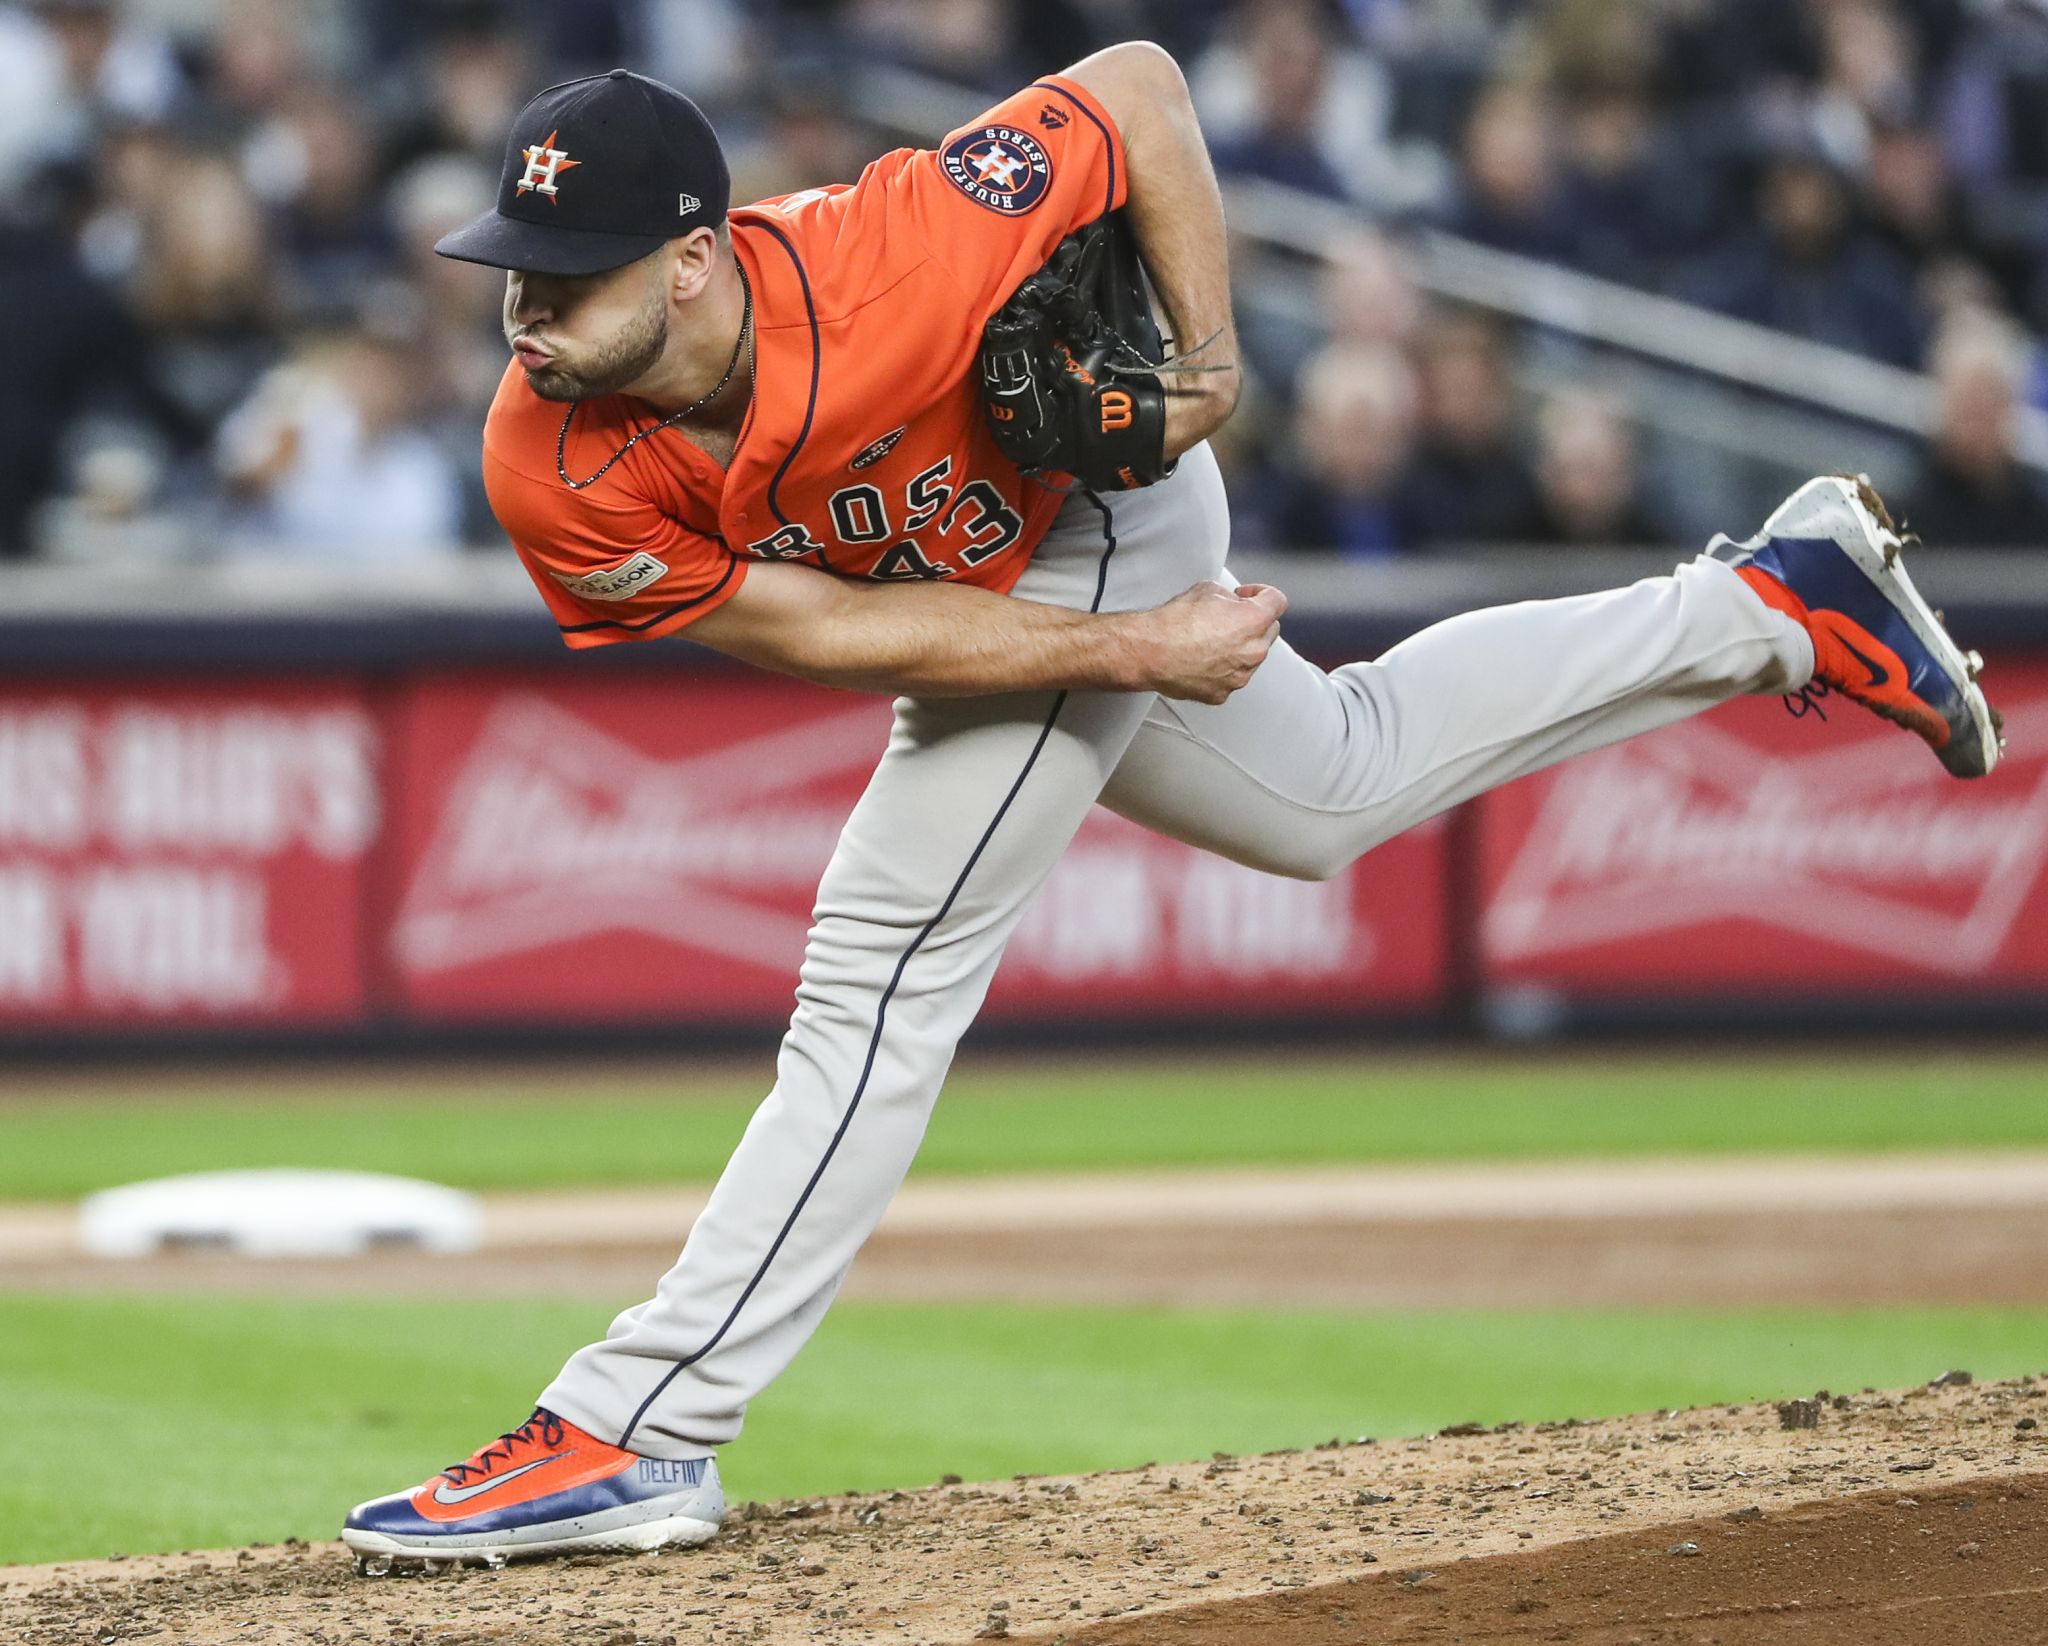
[651, 169]
[544, 162]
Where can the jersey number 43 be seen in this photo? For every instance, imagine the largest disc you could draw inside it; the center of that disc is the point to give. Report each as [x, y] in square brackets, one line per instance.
[930, 506]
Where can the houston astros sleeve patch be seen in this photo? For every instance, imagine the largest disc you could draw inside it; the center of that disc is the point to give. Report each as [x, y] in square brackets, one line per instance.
[1002, 167]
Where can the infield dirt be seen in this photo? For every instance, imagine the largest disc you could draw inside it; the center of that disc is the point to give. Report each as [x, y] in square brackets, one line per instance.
[1907, 1229]
[1884, 1519]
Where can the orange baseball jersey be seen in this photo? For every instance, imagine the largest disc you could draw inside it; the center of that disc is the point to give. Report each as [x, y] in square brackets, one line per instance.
[865, 451]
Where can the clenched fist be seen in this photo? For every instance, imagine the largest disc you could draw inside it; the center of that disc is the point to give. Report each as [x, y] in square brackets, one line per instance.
[1205, 644]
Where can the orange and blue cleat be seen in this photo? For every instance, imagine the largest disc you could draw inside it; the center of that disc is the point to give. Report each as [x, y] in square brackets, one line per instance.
[546, 1488]
[1828, 558]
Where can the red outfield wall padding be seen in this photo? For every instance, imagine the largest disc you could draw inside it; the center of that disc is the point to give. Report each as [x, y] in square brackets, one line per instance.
[184, 853]
[606, 852]
[1751, 853]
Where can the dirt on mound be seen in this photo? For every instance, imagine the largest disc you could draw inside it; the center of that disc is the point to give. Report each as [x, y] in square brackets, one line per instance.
[1962, 1565]
[1874, 1518]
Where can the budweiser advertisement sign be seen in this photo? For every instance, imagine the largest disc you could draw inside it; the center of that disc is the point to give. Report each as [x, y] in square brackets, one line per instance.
[646, 848]
[174, 852]
[1746, 851]
[651, 850]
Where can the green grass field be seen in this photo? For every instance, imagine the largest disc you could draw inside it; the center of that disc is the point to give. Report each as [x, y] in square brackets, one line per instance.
[1066, 1116]
[164, 1423]
[175, 1422]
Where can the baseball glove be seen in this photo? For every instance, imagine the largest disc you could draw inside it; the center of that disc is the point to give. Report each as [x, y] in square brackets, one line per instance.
[1070, 366]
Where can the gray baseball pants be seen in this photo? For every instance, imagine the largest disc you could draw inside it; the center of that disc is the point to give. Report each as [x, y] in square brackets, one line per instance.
[974, 801]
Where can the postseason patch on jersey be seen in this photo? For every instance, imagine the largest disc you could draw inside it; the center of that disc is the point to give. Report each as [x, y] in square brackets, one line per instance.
[1000, 167]
[620, 582]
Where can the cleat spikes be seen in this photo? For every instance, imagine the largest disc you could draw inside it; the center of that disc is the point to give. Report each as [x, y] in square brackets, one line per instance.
[1893, 536]
[1866, 494]
[496, 1559]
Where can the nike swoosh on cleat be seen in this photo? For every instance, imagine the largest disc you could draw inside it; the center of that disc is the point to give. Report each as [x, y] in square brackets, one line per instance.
[444, 1493]
[1879, 674]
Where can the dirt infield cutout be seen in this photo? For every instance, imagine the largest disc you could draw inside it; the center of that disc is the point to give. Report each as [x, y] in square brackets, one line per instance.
[1874, 1518]
[1937, 1229]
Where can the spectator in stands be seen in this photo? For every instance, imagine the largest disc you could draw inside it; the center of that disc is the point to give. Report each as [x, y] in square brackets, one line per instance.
[459, 357]
[1368, 300]
[258, 60]
[203, 280]
[1972, 491]
[467, 86]
[1907, 192]
[74, 350]
[1469, 482]
[1629, 200]
[1808, 267]
[1287, 96]
[1589, 489]
[1354, 429]
[460, 304]
[1509, 194]
[335, 232]
[328, 457]
[1276, 133]
[119, 67]
[1869, 58]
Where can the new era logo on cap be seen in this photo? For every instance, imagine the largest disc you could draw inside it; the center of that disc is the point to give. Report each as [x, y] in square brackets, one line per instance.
[648, 168]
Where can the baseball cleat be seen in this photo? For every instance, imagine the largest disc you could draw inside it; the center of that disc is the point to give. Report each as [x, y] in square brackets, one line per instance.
[1829, 557]
[547, 1488]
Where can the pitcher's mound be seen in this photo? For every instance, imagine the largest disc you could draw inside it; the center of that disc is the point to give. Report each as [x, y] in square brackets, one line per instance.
[1878, 1519]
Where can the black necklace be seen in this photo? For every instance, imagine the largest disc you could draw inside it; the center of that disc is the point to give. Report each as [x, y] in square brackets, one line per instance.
[673, 418]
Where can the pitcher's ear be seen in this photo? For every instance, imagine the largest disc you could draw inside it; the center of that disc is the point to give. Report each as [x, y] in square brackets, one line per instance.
[688, 261]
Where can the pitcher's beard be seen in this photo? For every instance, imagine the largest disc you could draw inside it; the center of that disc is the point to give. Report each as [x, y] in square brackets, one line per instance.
[623, 358]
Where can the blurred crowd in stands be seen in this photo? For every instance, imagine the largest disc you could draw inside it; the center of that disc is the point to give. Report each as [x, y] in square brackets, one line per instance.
[227, 331]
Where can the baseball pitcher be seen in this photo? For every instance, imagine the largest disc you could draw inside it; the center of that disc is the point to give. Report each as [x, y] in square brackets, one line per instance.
[919, 435]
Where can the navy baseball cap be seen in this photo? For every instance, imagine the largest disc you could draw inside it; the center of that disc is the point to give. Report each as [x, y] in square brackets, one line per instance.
[598, 173]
